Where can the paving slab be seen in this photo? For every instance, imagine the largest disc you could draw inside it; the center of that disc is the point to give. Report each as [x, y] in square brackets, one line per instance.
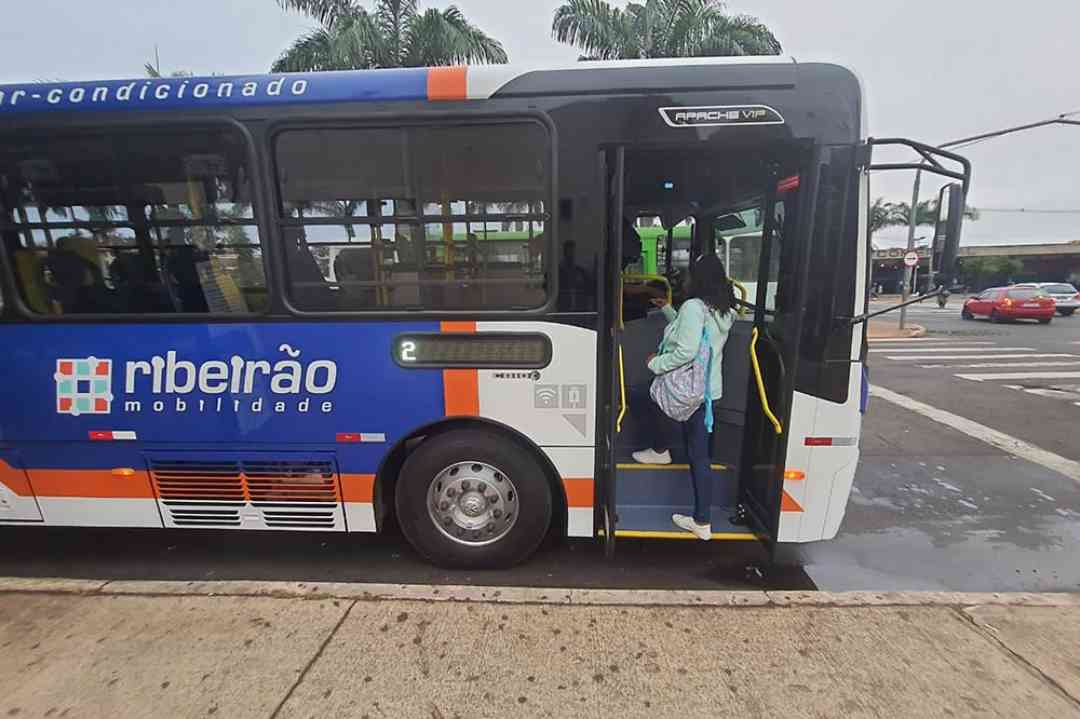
[413, 659]
[116, 656]
[1048, 639]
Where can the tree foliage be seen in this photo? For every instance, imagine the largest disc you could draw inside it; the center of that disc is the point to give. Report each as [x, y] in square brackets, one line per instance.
[982, 272]
[397, 33]
[660, 28]
[898, 214]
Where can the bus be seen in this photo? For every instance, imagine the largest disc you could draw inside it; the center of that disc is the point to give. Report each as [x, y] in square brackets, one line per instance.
[329, 302]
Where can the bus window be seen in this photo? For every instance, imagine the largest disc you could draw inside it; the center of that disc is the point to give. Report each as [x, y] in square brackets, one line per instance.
[440, 218]
[132, 221]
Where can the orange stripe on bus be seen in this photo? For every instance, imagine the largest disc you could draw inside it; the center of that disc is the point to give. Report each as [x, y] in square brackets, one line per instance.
[579, 491]
[91, 483]
[446, 83]
[357, 487]
[461, 387]
[788, 504]
[15, 480]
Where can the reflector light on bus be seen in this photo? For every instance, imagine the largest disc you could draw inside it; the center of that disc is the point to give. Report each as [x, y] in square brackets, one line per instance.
[830, 441]
[794, 475]
[788, 183]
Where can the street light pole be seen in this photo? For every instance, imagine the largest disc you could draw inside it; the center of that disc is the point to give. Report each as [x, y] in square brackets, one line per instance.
[1061, 119]
[908, 274]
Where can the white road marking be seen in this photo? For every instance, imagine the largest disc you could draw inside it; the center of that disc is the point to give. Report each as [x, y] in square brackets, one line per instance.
[931, 350]
[1051, 393]
[1020, 375]
[1008, 443]
[991, 365]
[938, 358]
[933, 339]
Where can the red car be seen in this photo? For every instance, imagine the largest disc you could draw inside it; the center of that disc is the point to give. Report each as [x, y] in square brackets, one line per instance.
[1011, 303]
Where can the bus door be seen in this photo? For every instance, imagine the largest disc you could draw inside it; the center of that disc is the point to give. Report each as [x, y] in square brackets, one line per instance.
[771, 268]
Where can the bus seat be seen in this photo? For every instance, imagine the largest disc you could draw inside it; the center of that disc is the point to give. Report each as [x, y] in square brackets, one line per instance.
[85, 247]
[356, 264]
[29, 268]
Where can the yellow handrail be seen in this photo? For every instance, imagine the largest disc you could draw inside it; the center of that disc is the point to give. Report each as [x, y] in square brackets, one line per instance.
[622, 393]
[650, 278]
[743, 294]
[761, 384]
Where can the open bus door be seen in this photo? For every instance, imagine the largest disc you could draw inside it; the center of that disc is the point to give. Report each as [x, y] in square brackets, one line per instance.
[777, 296]
[612, 164]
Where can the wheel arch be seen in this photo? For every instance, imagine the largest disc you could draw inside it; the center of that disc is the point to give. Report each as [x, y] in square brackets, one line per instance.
[390, 467]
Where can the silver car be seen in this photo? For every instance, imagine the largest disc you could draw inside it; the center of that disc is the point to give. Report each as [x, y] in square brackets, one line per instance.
[1065, 295]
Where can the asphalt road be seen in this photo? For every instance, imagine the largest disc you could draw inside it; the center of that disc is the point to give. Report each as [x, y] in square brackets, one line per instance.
[932, 508]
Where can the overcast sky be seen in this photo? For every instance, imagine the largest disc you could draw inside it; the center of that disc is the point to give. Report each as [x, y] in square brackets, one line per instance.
[934, 70]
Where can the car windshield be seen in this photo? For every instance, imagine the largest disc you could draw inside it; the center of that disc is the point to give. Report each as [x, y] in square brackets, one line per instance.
[1060, 289]
[1026, 294]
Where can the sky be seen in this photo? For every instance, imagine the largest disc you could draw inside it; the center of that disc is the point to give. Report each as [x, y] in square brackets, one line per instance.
[933, 70]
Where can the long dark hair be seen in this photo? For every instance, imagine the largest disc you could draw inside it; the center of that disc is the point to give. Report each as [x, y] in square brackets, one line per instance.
[710, 284]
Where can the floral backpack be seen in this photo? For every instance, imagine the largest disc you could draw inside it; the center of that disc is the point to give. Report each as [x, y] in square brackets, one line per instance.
[680, 392]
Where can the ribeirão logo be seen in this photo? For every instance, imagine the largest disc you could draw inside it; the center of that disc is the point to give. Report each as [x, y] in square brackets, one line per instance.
[170, 383]
[83, 386]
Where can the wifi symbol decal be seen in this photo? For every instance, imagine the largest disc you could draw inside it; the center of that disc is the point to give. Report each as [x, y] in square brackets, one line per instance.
[546, 396]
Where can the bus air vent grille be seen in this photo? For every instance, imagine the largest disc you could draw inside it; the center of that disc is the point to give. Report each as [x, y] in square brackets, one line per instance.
[290, 482]
[262, 493]
[186, 480]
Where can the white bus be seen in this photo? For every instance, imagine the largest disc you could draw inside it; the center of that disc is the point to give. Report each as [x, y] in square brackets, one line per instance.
[317, 302]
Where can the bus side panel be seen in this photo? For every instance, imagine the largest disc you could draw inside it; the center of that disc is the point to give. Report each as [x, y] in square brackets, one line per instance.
[94, 401]
[814, 506]
[555, 407]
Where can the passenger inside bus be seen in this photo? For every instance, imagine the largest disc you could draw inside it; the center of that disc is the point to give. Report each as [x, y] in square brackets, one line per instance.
[132, 221]
[696, 196]
[693, 341]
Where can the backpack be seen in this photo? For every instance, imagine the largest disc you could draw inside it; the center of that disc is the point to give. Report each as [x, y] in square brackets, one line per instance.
[680, 392]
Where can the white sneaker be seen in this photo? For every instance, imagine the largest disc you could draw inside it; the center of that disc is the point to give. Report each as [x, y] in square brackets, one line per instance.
[648, 456]
[701, 531]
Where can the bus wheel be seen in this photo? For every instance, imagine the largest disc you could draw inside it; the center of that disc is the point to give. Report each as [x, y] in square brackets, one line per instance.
[473, 498]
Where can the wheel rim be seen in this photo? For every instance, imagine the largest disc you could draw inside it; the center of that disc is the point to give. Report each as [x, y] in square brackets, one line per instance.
[472, 503]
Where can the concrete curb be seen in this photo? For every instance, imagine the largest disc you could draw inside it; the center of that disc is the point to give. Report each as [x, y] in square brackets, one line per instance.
[531, 595]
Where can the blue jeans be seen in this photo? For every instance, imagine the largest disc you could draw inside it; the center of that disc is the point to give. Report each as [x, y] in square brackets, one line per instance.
[658, 428]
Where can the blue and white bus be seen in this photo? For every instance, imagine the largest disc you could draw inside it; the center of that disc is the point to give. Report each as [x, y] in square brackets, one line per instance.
[315, 302]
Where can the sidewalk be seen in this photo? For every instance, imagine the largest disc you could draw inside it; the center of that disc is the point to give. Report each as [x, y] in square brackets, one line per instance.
[245, 649]
[887, 329]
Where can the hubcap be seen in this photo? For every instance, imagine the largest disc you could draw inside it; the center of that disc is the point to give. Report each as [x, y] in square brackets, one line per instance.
[472, 503]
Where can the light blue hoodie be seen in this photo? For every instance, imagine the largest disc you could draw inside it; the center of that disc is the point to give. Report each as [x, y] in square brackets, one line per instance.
[682, 337]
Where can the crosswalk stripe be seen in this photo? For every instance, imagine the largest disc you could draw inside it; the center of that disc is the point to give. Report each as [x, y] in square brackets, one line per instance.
[1020, 375]
[922, 339]
[939, 358]
[932, 339]
[991, 365]
[931, 350]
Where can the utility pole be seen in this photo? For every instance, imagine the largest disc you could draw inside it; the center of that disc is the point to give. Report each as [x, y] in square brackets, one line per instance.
[909, 273]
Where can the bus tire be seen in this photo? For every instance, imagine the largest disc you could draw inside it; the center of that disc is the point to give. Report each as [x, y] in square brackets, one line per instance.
[473, 498]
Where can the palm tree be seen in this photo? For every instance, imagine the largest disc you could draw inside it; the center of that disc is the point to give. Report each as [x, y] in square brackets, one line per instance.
[893, 214]
[397, 33]
[660, 28]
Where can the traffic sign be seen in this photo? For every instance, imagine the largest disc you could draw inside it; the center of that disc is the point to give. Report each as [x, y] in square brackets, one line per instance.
[911, 259]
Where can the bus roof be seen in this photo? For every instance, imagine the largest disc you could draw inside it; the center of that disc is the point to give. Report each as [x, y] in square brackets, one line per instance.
[415, 84]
